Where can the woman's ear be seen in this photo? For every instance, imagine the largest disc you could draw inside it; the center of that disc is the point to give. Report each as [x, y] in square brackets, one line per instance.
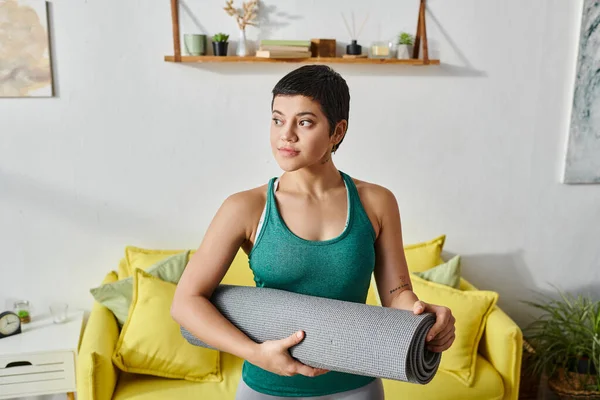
[339, 133]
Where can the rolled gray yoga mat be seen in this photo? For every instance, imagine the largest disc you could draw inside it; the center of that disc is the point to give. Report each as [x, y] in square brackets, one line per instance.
[339, 336]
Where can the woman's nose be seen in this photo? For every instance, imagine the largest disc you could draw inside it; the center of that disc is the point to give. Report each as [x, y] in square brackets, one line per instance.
[288, 134]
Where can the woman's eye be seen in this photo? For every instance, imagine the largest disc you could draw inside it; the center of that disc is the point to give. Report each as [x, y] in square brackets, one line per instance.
[305, 122]
[277, 121]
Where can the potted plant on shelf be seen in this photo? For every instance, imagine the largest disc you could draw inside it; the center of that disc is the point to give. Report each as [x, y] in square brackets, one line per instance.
[405, 44]
[247, 16]
[220, 44]
[566, 344]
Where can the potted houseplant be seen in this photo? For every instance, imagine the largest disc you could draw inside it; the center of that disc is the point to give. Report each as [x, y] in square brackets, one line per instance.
[405, 44]
[566, 343]
[220, 44]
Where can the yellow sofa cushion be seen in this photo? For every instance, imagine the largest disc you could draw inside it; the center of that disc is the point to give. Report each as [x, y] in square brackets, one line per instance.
[423, 256]
[137, 257]
[123, 269]
[116, 296]
[151, 342]
[470, 309]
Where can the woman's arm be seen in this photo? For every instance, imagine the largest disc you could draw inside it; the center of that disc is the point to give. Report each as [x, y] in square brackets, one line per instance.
[393, 278]
[191, 307]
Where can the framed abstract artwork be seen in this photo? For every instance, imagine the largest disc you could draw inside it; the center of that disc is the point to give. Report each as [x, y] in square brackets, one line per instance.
[582, 162]
[25, 65]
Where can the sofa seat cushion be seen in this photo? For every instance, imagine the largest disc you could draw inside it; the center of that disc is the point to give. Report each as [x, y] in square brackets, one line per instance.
[147, 387]
[486, 386]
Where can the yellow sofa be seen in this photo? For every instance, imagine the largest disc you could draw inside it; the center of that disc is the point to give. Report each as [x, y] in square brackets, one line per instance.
[497, 375]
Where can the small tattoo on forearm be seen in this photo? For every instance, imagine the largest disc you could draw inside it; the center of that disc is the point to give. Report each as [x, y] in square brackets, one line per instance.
[403, 284]
[398, 288]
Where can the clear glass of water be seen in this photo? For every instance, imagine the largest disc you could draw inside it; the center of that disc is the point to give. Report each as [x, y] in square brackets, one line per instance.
[59, 312]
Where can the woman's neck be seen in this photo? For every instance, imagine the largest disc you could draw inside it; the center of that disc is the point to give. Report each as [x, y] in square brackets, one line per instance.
[314, 181]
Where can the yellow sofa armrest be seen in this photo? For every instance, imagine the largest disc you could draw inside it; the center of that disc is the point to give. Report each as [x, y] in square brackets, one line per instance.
[96, 374]
[502, 345]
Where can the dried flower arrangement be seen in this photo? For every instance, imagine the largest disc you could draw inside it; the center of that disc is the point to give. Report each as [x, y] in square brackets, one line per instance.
[248, 14]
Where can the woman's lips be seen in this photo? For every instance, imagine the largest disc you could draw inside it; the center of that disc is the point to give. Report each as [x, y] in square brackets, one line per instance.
[288, 152]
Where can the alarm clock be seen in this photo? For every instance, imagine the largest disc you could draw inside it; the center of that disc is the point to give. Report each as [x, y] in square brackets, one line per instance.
[10, 324]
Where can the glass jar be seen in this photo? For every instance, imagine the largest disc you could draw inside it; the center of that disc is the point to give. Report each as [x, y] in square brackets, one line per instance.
[382, 50]
[23, 310]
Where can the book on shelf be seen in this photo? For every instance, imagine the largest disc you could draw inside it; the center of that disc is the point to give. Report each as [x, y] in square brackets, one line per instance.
[284, 48]
[282, 54]
[284, 42]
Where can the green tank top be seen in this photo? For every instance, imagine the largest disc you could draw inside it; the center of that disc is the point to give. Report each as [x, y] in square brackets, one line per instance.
[339, 268]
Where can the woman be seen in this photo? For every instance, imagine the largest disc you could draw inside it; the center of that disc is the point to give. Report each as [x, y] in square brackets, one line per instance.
[314, 231]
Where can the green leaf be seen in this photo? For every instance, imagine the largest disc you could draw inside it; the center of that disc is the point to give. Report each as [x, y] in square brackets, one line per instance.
[567, 330]
[406, 38]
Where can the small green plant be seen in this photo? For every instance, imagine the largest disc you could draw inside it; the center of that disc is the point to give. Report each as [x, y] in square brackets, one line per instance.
[566, 337]
[406, 38]
[220, 37]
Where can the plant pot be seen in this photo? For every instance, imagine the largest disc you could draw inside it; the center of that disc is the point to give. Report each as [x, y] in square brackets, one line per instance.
[581, 365]
[404, 51]
[220, 48]
[571, 385]
[195, 44]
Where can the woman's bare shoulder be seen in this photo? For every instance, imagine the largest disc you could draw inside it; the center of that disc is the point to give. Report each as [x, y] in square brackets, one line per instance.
[377, 200]
[372, 191]
[249, 200]
[245, 208]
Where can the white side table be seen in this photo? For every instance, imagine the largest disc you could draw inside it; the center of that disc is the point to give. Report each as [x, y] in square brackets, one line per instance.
[45, 355]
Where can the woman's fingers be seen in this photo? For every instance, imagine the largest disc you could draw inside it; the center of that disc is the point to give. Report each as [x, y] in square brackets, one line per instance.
[444, 346]
[443, 336]
[305, 370]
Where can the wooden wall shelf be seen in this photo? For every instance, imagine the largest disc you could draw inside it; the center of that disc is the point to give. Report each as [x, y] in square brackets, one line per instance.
[420, 41]
[312, 60]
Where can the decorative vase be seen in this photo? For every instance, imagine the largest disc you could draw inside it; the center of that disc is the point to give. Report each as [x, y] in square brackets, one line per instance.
[242, 48]
[404, 51]
[220, 48]
[354, 48]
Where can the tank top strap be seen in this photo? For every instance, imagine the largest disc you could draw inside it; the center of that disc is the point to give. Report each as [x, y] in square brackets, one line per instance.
[270, 204]
[360, 216]
[267, 211]
[352, 191]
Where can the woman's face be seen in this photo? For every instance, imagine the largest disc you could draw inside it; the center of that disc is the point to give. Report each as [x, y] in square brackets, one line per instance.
[299, 133]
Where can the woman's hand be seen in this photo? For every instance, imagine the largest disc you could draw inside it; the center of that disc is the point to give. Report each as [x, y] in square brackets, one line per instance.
[441, 335]
[274, 356]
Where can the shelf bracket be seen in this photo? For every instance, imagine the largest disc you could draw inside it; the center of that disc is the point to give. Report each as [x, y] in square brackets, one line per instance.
[421, 35]
[176, 39]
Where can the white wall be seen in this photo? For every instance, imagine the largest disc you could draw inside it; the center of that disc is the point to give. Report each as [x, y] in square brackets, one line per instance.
[134, 150]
